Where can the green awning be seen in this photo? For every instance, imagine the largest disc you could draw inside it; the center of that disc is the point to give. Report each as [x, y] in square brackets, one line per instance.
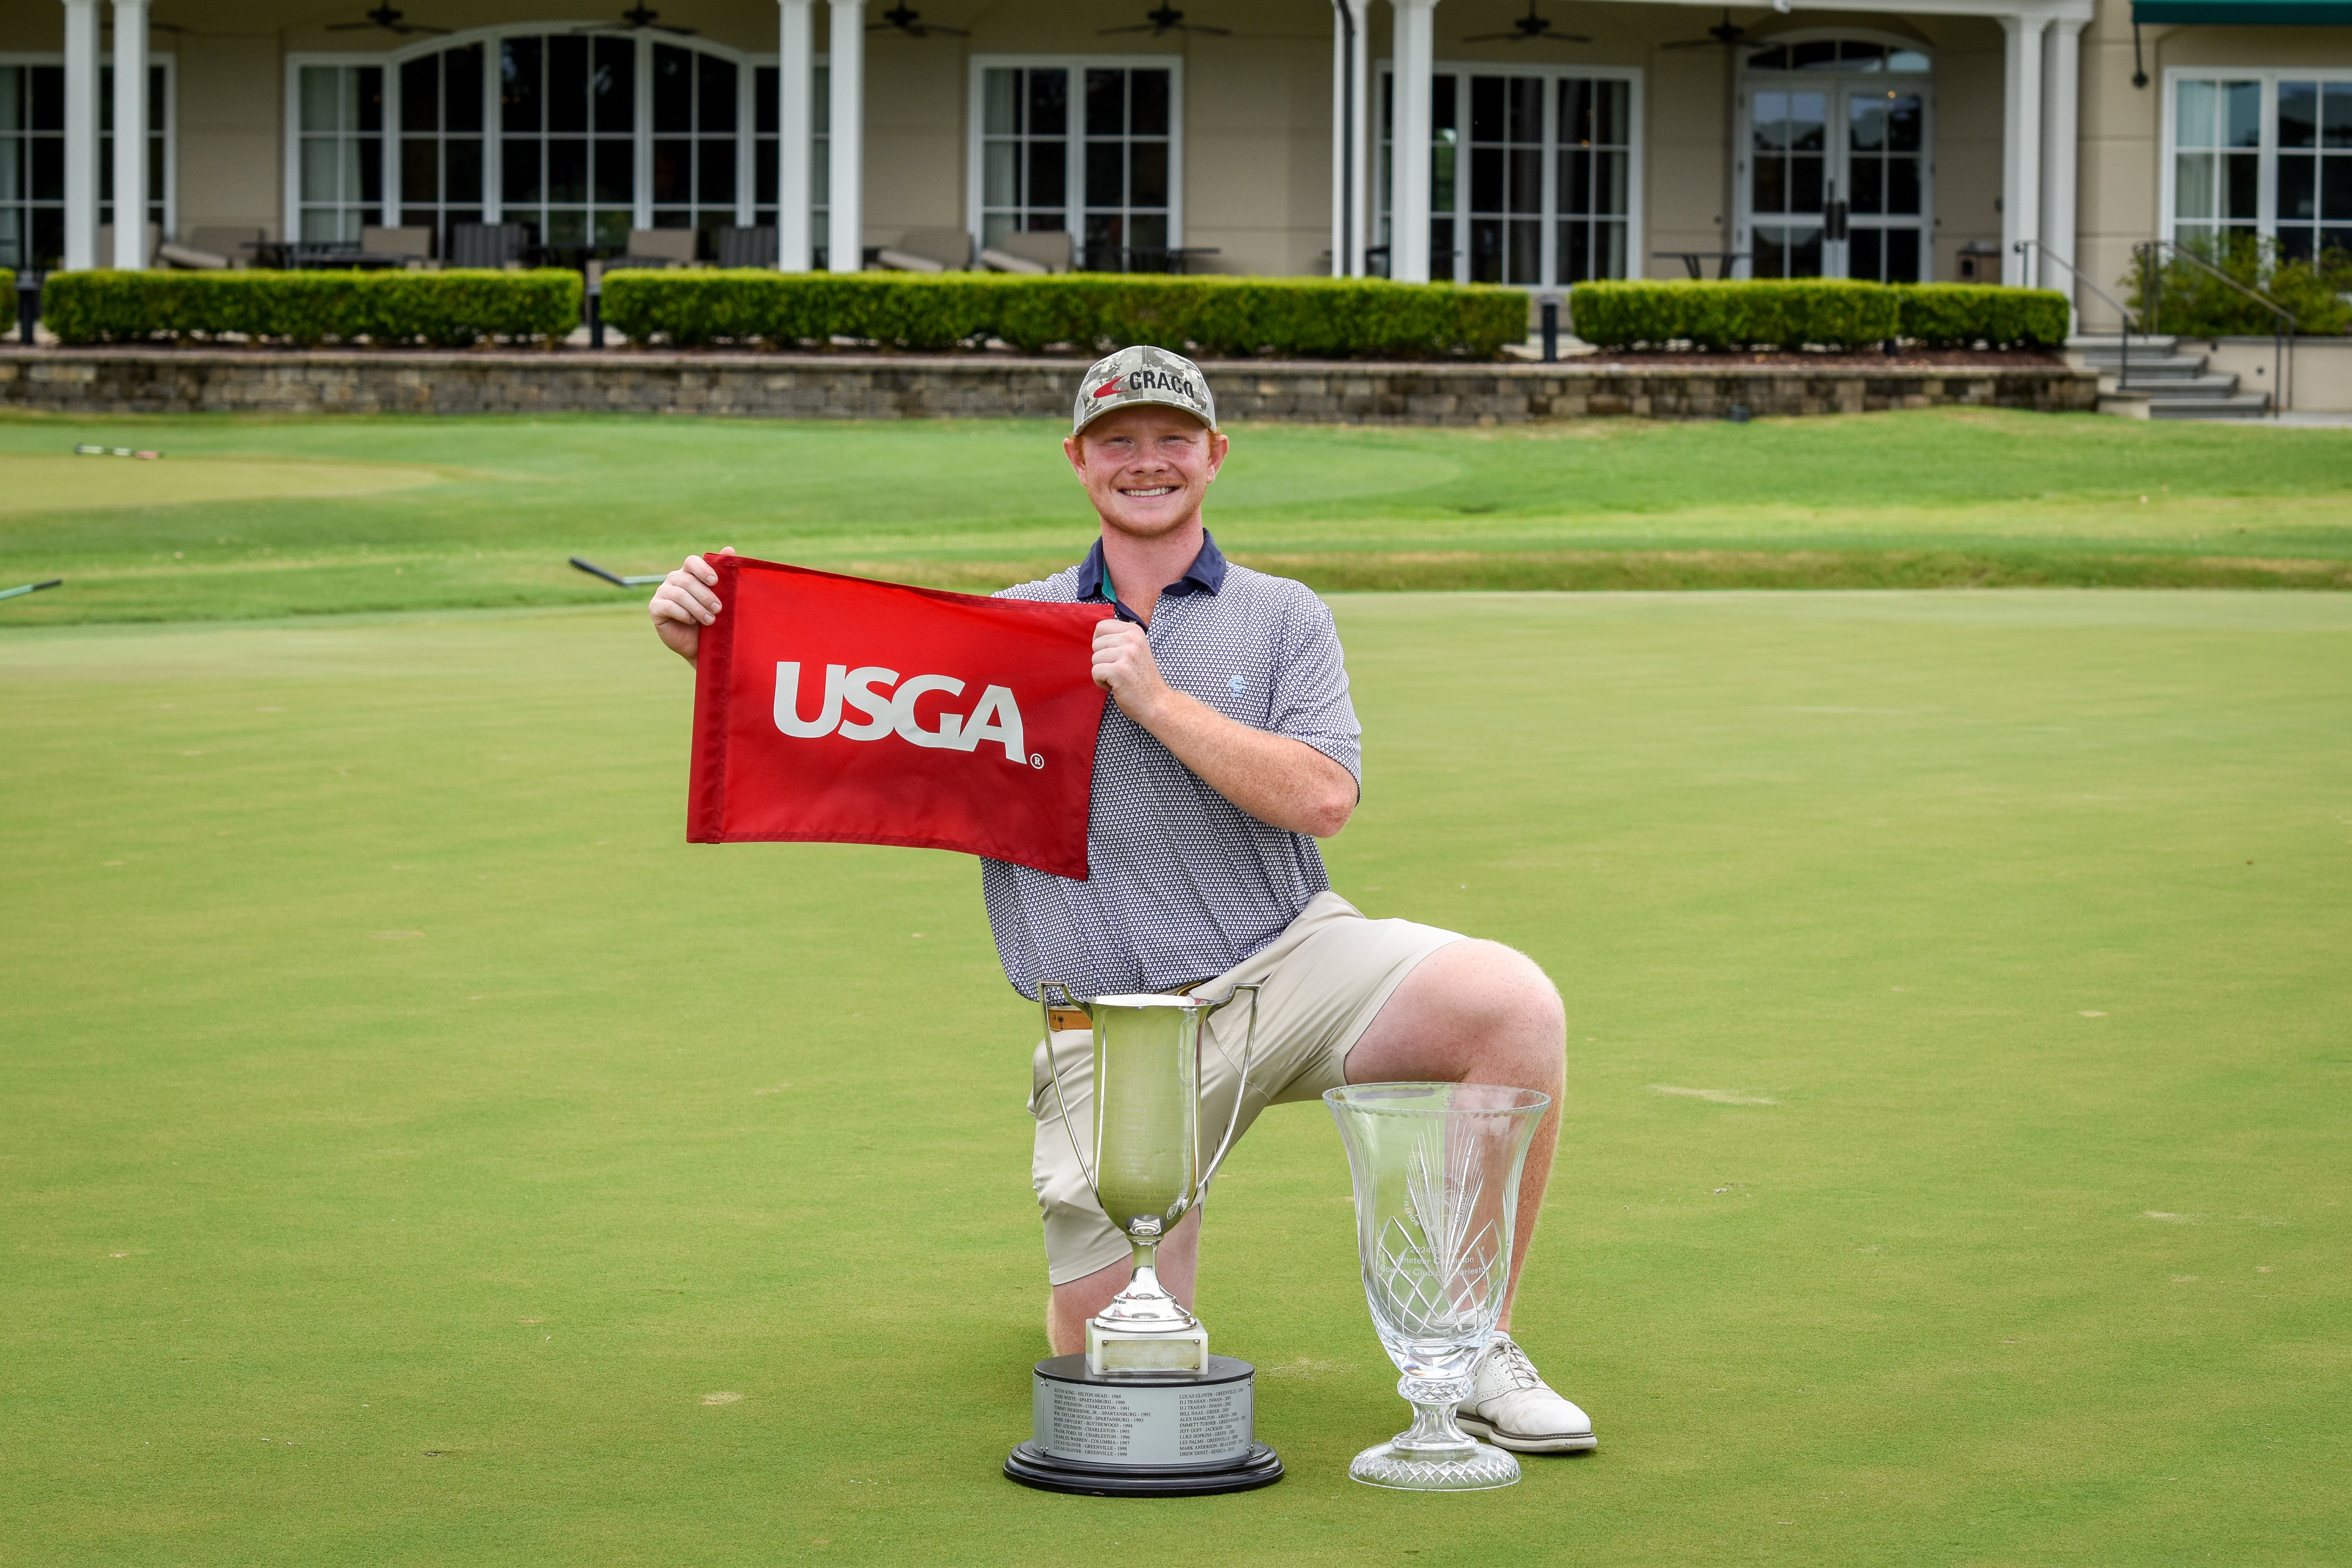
[2247, 12]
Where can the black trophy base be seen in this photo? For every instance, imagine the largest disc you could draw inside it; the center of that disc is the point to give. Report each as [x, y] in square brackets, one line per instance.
[1032, 1466]
[1130, 1435]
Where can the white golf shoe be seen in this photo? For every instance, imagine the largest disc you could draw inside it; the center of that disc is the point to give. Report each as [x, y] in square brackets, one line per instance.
[1513, 1407]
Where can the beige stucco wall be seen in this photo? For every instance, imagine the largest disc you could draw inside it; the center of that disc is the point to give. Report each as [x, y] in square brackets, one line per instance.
[1257, 110]
[2319, 377]
[232, 152]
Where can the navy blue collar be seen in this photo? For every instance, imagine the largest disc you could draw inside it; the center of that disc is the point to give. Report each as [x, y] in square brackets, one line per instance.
[1205, 575]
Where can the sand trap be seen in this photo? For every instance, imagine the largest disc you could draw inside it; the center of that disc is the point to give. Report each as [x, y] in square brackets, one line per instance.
[43, 482]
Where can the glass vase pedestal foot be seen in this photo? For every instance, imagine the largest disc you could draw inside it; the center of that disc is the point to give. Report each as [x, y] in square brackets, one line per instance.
[1143, 1435]
[1434, 1455]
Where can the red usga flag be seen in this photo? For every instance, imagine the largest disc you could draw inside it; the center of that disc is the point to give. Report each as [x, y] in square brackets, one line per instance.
[836, 710]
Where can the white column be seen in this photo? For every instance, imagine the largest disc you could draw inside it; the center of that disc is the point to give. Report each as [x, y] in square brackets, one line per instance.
[2021, 147]
[131, 133]
[2062, 82]
[846, 124]
[1411, 56]
[81, 134]
[1349, 116]
[795, 144]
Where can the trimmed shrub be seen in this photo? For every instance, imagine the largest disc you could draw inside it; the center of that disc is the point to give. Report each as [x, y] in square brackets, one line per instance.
[1827, 313]
[1831, 313]
[1309, 317]
[2190, 303]
[1961, 315]
[8, 292]
[443, 310]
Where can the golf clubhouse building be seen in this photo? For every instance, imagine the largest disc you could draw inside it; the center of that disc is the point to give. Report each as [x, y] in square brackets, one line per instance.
[1567, 139]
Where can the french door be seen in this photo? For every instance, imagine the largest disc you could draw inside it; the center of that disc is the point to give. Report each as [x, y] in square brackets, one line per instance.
[1837, 178]
[1534, 173]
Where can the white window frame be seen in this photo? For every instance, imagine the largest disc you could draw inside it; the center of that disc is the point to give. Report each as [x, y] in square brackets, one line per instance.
[2267, 180]
[493, 169]
[1073, 172]
[169, 60]
[1457, 266]
[388, 163]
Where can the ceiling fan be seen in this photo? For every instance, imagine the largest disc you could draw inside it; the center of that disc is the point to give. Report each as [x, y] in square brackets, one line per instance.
[1727, 33]
[1165, 19]
[638, 18]
[388, 17]
[911, 23]
[1529, 27]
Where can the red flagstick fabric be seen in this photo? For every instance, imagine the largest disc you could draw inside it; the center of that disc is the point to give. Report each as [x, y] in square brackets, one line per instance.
[841, 711]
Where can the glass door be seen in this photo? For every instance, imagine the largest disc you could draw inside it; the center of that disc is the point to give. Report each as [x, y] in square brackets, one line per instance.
[1881, 213]
[1531, 173]
[1788, 183]
[1089, 148]
[1836, 177]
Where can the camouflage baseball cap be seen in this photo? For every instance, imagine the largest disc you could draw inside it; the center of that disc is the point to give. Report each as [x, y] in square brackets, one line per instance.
[1143, 375]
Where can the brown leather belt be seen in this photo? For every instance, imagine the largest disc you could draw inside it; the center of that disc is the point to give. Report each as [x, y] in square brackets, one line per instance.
[1060, 1018]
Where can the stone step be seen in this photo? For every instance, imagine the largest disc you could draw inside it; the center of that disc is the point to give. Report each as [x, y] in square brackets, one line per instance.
[2239, 405]
[2162, 343]
[2155, 367]
[2170, 389]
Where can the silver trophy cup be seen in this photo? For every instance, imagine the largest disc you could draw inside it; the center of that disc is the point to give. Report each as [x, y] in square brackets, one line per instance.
[1143, 1161]
[1147, 1411]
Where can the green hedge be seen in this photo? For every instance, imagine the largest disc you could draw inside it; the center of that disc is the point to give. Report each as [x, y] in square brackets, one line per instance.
[444, 309]
[1961, 315]
[1829, 312]
[8, 291]
[1310, 317]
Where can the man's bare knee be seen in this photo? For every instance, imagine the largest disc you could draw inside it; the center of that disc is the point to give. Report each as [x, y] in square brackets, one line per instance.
[1504, 995]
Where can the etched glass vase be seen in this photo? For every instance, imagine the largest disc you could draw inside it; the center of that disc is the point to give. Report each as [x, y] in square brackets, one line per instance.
[1436, 1169]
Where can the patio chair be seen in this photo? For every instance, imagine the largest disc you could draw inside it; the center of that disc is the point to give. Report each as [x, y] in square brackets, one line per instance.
[927, 250]
[753, 246]
[658, 248]
[1030, 251]
[241, 244]
[192, 258]
[414, 243]
[501, 244]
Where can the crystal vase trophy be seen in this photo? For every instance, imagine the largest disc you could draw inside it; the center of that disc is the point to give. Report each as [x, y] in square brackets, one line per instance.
[1147, 1410]
[1436, 1170]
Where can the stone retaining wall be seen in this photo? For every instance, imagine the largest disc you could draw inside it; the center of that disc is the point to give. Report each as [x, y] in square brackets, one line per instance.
[911, 386]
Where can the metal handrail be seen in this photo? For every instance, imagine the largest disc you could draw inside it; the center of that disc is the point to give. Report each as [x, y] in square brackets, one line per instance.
[2149, 254]
[2131, 321]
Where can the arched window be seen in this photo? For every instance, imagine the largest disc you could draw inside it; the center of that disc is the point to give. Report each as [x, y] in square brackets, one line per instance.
[579, 134]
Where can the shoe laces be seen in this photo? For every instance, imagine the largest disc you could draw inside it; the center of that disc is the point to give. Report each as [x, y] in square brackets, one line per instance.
[1510, 1363]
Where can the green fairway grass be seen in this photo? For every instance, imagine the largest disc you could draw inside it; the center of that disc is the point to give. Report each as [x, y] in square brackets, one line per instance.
[247, 517]
[415, 1154]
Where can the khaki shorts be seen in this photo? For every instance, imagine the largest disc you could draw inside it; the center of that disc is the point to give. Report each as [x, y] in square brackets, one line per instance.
[1325, 977]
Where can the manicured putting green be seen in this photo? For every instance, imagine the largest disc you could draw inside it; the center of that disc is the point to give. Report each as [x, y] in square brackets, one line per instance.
[42, 483]
[1930, 498]
[416, 1154]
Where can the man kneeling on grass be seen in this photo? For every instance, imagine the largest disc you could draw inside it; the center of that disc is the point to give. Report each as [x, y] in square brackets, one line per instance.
[1231, 747]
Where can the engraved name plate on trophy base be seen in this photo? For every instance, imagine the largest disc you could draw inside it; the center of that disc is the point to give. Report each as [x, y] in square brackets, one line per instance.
[1177, 1434]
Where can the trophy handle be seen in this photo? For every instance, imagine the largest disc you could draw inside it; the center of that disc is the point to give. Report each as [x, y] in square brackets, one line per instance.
[1054, 1068]
[1249, 1044]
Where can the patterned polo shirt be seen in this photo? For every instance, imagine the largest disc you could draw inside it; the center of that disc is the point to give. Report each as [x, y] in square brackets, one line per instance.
[1183, 884]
